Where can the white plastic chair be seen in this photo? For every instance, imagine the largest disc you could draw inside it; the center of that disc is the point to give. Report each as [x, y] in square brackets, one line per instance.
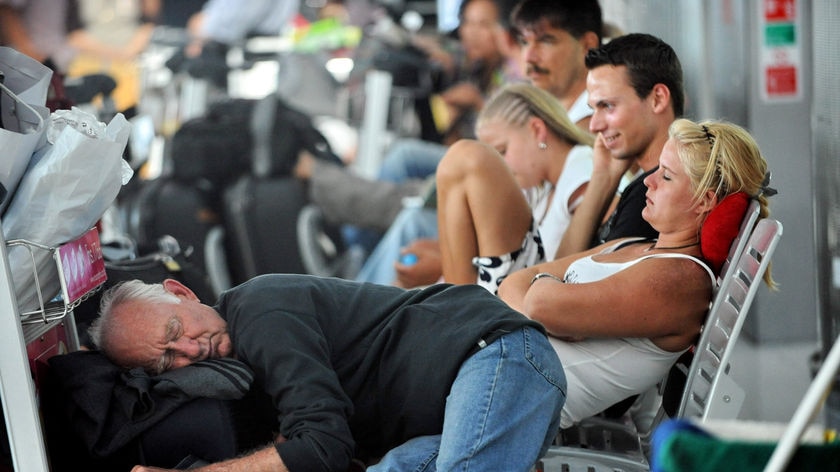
[708, 390]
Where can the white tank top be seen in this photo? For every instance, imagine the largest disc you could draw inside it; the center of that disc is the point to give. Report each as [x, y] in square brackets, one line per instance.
[553, 221]
[601, 372]
[586, 269]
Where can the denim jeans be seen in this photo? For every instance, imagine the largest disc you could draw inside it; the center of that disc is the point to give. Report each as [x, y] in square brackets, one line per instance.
[408, 159]
[501, 414]
[411, 224]
[411, 159]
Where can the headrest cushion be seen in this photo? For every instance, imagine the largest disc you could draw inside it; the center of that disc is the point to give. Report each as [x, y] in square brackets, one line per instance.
[721, 227]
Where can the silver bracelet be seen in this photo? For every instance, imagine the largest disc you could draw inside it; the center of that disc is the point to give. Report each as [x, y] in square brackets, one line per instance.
[545, 274]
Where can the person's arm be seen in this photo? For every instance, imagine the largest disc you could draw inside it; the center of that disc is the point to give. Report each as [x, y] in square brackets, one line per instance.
[435, 52]
[80, 39]
[285, 347]
[516, 285]
[262, 460]
[599, 195]
[150, 10]
[13, 33]
[463, 96]
[664, 299]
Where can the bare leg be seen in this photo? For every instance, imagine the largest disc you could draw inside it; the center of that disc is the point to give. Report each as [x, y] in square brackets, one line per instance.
[481, 209]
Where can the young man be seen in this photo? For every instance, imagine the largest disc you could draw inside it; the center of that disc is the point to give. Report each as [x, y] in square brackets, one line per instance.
[449, 375]
[635, 86]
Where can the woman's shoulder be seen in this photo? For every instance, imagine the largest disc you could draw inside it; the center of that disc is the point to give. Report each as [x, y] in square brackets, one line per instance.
[689, 261]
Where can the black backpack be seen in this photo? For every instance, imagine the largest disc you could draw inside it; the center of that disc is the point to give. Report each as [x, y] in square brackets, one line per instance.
[240, 136]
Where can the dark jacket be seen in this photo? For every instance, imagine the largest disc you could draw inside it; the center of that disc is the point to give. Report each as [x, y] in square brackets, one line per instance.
[344, 361]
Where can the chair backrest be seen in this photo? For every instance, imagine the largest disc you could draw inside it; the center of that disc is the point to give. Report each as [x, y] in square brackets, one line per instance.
[709, 392]
[740, 241]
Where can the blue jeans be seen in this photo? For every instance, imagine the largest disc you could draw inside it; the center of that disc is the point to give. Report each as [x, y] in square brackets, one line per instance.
[502, 412]
[411, 159]
[407, 159]
[410, 224]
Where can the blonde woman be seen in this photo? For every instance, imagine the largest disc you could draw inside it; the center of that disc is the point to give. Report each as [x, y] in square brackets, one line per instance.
[505, 201]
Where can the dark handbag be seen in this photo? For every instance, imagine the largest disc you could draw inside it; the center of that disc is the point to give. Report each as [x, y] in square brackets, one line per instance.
[215, 147]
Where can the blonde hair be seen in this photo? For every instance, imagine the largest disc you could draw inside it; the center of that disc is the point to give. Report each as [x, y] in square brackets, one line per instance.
[516, 103]
[722, 157]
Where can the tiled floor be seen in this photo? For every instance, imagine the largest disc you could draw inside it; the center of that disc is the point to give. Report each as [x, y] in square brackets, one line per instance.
[773, 376]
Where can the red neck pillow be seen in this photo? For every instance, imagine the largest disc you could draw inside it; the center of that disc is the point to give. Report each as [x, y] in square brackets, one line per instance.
[721, 227]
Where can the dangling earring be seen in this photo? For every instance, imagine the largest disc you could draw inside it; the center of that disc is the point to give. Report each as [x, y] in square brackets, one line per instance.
[542, 146]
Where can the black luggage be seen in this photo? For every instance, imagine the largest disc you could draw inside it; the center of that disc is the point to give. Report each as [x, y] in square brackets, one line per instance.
[261, 226]
[165, 206]
[215, 148]
[241, 136]
[279, 133]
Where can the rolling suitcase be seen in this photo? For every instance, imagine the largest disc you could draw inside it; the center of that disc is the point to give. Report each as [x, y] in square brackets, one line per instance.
[260, 218]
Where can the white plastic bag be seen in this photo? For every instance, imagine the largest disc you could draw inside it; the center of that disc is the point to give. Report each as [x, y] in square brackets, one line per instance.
[65, 190]
[26, 77]
[23, 94]
[22, 133]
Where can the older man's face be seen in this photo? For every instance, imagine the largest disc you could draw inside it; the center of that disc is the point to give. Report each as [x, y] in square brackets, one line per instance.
[165, 336]
[554, 59]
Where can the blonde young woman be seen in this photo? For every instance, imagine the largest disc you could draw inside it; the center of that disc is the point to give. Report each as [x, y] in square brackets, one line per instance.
[622, 313]
[505, 201]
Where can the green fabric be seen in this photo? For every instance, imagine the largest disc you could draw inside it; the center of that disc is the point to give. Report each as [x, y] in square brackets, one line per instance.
[686, 451]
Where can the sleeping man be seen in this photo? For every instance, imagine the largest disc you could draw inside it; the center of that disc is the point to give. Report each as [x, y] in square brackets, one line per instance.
[438, 379]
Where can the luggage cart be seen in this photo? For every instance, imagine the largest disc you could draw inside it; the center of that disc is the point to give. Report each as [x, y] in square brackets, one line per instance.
[30, 338]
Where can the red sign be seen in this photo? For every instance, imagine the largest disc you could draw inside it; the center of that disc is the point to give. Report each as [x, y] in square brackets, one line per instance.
[779, 10]
[82, 265]
[781, 80]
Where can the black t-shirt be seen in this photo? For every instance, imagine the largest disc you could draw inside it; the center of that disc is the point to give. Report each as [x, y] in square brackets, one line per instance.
[626, 220]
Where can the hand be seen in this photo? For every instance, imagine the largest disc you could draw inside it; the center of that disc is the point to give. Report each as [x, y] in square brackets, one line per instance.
[304, 167]
[426, 270]
[603, 160]
[463, 96]
[143, 468]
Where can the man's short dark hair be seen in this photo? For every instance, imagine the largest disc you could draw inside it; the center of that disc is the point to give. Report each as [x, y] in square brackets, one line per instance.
[576, 17]
[649, 61]
[506, 14]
